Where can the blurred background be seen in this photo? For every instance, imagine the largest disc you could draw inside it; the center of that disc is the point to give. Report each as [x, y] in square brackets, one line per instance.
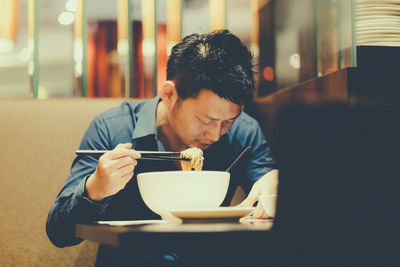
[64, 61]
[119, 48]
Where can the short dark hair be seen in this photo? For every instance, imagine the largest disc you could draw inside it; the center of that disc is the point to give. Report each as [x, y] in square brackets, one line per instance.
[217, 61]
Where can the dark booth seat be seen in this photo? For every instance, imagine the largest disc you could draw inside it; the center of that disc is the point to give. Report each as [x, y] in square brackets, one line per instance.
[339, 185]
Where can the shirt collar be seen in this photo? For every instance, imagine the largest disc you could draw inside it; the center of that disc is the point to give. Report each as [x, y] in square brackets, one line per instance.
[146, 119]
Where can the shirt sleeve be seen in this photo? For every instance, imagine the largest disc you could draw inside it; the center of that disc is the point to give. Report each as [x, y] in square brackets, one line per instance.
[260, 161]
[72, 205]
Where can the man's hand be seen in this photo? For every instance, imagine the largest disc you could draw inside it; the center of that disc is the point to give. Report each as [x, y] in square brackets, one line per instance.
[268, 184]
[113, 172]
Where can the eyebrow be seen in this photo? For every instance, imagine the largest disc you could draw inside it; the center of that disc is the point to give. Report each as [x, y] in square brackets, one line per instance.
[211, 118]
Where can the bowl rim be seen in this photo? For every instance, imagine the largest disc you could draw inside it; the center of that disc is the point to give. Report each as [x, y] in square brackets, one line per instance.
[195, 172]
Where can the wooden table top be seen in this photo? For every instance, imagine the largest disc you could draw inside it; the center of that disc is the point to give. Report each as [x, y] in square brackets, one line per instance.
[126, 234]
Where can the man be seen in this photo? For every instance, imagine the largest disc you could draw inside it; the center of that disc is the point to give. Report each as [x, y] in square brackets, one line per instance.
[209, 80]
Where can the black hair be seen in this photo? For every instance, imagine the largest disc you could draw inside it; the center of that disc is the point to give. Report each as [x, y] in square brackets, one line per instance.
[217, 61]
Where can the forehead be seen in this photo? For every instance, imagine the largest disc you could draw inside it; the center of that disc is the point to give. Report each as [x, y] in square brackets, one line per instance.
[207, 103]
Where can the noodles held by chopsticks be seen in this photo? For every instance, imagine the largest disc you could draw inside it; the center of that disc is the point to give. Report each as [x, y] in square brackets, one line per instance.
[196, 159]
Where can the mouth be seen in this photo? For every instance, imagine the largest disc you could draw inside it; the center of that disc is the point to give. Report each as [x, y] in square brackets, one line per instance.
[206, 143]
[204, 146]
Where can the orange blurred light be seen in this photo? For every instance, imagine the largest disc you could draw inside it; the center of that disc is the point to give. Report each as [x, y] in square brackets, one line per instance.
[9, 13]
[217, 14]
[268, 73]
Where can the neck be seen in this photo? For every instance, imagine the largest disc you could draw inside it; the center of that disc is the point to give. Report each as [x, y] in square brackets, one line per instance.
[165, 133]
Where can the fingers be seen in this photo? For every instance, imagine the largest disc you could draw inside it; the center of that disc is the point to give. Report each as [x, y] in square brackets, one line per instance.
[125, 161]
[122, 168]
[251, 198]
[125, 179]
[125, 171]
[119, 157]
[122, 150]
[259, 213]
[114, 170]
[124, 145]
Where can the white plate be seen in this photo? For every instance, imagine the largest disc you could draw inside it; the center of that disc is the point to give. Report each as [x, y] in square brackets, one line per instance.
[383, 25]
[377, 29]
[377, 2]
[378, 34]
[379, 43]
[381, 30]
[127, 223]
[377, 13]
[379, 39]
[378, 8]
[374, 25]
[379, 20]
[221, 212]
[381, 5]
[377, 17]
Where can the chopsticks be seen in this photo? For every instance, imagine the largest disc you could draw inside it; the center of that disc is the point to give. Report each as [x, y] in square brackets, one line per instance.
[146, 155]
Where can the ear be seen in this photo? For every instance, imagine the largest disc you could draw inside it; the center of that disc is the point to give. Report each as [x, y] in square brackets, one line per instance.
[168, 93]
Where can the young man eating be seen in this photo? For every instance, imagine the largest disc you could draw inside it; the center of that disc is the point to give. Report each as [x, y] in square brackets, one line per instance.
[210, 79]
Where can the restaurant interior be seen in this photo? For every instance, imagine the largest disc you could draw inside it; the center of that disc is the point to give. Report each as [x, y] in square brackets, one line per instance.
[327, 99]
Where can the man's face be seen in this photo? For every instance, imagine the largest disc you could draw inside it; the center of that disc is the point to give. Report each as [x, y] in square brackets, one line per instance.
[201, 121]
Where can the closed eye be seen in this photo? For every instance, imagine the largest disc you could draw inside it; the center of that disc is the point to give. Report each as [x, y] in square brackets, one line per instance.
[203, 121]
[228, 122]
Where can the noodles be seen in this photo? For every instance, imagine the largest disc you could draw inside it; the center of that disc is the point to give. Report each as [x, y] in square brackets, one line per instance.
[196, 159]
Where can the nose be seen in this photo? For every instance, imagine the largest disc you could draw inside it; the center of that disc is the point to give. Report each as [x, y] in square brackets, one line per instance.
[214, 132]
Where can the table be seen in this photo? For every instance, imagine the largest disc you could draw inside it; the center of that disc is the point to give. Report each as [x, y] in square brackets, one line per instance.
[204, 244]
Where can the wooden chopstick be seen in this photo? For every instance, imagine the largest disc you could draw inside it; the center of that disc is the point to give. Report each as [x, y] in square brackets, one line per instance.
[101, 152]
[163, 158]
[146, 155]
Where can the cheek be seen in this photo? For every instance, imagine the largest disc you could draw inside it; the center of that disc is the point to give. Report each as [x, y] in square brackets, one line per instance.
[188, 130]
[195, 133]
[194, 130]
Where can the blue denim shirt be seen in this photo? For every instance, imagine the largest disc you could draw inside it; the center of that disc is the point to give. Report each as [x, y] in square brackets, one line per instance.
[135, 122]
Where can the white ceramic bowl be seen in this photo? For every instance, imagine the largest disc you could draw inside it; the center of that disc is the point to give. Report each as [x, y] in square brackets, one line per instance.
[172, 190]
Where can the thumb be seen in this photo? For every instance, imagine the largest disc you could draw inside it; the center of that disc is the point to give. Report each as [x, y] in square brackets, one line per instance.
[251, 198]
